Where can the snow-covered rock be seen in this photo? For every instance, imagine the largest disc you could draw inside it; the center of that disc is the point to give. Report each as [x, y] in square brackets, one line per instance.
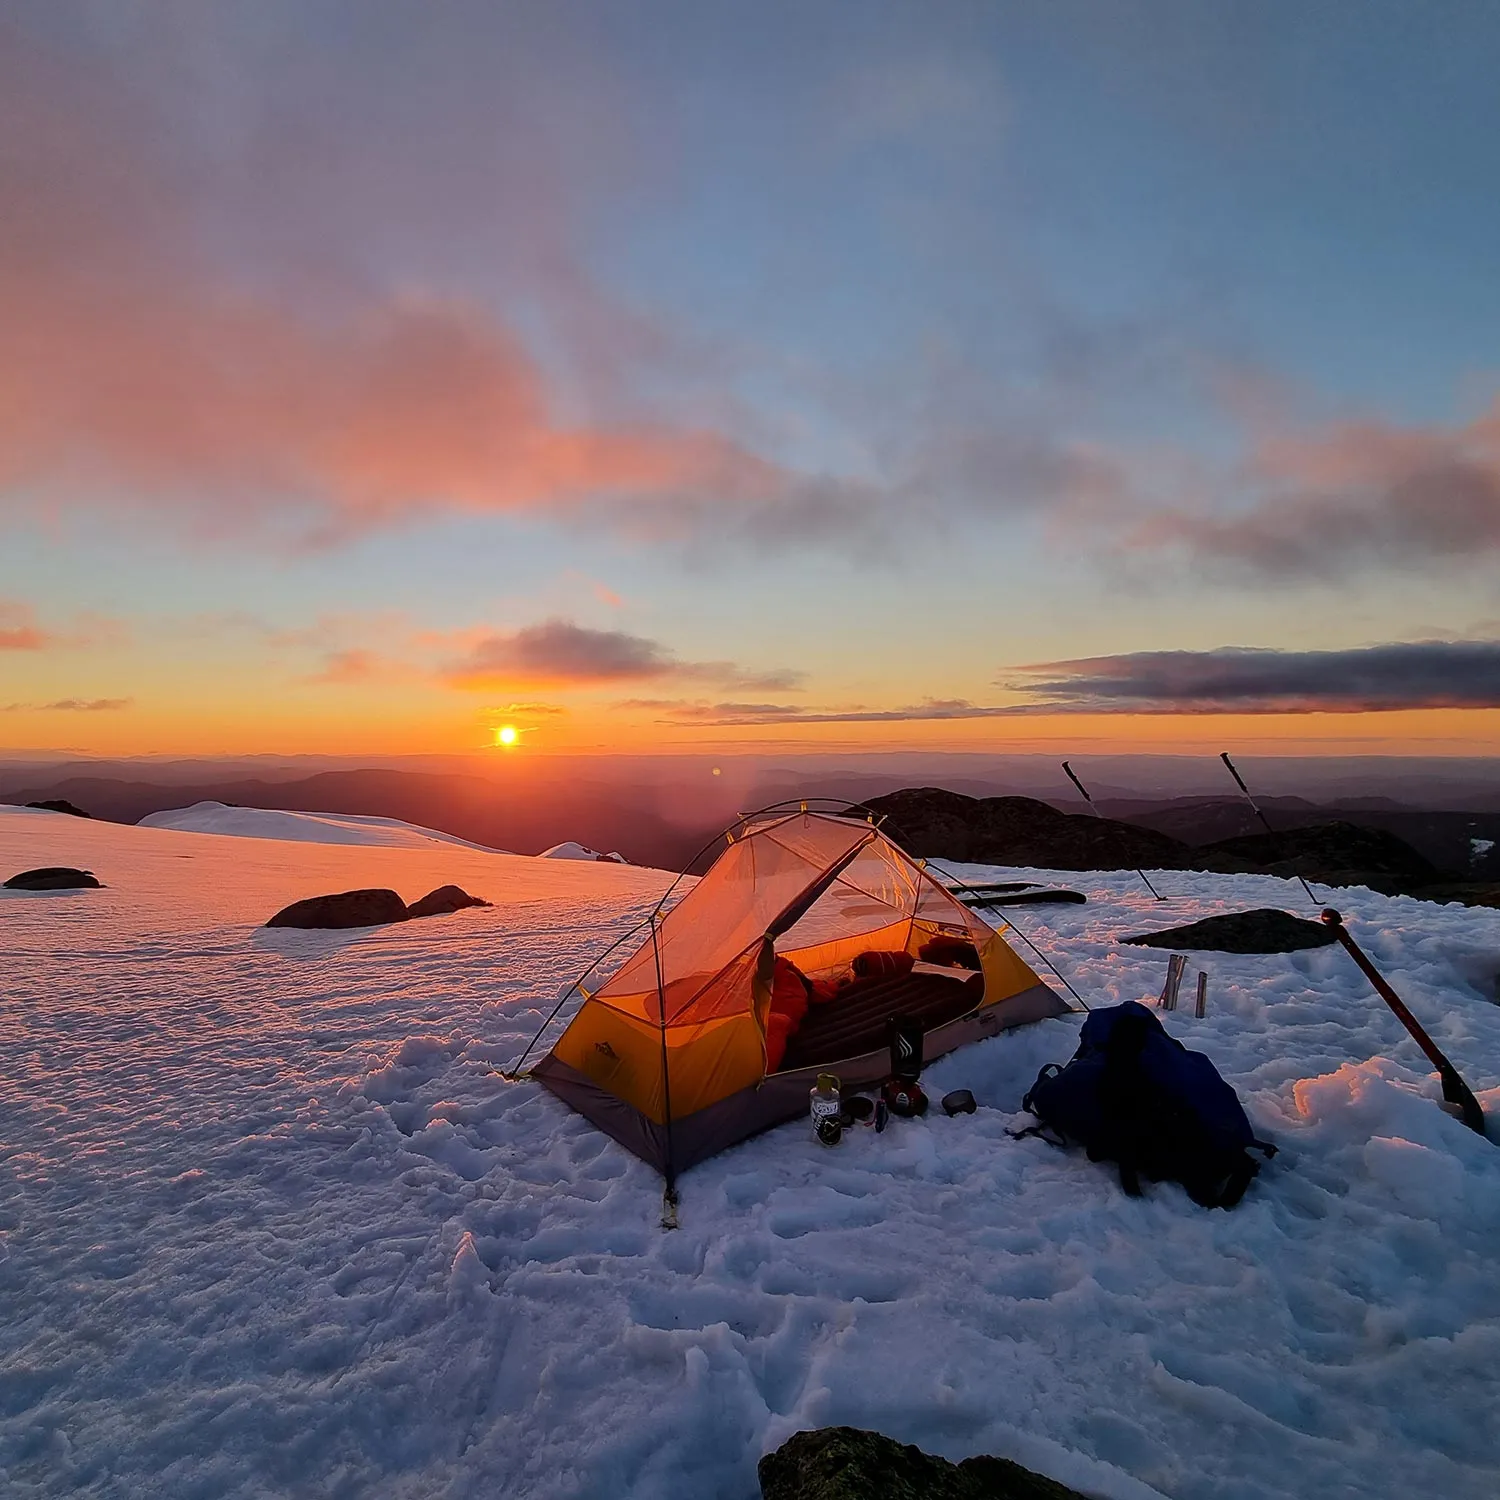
[570, 850]
[272, 1223]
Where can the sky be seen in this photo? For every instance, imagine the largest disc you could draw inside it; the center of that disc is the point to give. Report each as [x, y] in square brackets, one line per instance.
[670, 376]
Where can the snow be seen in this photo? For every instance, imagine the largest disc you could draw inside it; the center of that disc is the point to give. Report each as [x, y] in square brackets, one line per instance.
[301, 827]
[570, 850]
[272, 1224]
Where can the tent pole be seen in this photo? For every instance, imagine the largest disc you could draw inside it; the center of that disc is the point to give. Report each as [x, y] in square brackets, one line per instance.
[576, 988]
[669, 1196]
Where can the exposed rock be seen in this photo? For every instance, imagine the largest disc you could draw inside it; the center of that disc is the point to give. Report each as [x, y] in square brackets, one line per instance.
[1464, 892]
[444, 899]
[1330, 853]
[372, 908]
[59, 804]
[933, 824]
[1262, 931]
[1042, 895]
[53, 878]
[845, 1463]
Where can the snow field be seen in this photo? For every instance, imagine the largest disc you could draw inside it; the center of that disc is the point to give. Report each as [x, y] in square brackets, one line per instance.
[273, 1226]
[302, 827]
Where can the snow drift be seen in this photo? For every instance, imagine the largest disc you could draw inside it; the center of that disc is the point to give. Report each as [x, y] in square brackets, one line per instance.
[301, 827]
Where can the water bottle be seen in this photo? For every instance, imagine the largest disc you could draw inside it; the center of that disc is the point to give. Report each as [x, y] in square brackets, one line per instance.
[824, 1103]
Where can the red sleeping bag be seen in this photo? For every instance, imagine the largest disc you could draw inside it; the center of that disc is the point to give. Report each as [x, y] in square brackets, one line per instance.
[821, 991]
[788, 1006]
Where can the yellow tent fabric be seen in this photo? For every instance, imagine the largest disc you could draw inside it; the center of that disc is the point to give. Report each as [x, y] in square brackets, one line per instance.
[680, 1027]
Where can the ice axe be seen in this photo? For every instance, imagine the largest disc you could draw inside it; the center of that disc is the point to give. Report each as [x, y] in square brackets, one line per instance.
[1455, 1090]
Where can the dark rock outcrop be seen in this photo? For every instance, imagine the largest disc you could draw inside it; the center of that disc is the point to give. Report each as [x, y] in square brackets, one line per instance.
[371, 908]
[53, 878]
[933, 824]
[59, 804]
[1330, 853]
[845, 1463]
[444, 899]
[1262, 931]
[1462, 892]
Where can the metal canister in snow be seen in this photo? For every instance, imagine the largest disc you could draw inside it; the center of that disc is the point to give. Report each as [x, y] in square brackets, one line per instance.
[824, 1102]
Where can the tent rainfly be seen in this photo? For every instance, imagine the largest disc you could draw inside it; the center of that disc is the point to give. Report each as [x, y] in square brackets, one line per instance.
[670, 1056]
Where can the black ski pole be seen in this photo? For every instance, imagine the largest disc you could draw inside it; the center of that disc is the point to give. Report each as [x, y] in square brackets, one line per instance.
[1455, 1090]
[1240, 783]
[1076, 782]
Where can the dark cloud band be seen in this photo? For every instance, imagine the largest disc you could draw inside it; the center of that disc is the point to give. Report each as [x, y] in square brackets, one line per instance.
[1239, 679]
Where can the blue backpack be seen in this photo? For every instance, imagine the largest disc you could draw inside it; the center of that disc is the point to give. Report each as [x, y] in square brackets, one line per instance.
[1136, 1096]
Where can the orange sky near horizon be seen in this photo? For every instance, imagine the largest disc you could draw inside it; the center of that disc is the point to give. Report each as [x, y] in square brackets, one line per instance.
[175, 729]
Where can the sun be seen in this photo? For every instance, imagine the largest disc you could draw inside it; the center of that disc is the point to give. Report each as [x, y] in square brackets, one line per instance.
[506, 735]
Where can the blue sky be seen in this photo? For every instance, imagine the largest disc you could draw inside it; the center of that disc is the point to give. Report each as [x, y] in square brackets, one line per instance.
[873, 350]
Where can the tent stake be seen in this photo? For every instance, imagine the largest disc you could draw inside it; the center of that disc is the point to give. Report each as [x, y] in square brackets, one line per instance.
[1455, 1090]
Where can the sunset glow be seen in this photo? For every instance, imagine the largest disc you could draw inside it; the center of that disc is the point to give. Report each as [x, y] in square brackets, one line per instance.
[392, 392]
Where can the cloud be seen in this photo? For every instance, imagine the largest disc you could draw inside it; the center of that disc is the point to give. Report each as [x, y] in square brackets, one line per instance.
[728, 715]
[1243, 680]
[140, 366]
[1348, 498]
[72, 705]
[356, 667]
[175, 348]
[532, 710]
[558, 653]
[19, 630]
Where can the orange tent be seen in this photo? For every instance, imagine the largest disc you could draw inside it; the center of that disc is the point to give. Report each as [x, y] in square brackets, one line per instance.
[669, 1056]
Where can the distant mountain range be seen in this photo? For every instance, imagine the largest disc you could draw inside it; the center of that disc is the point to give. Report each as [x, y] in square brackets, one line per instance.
[669, 812]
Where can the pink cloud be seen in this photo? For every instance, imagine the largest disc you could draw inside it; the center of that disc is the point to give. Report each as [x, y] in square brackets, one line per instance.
[19, 630]
[133, 367]
[1349, 496]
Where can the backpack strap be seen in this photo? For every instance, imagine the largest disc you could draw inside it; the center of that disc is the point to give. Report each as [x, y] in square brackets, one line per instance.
[1227, 1190]
[1042, 1132]
[1264, 1147]
[1049, 1072]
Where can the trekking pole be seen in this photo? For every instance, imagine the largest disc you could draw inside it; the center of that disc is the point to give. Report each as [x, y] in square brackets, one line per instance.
[1239, 782]
[1076, 782]
[1455, 1090]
